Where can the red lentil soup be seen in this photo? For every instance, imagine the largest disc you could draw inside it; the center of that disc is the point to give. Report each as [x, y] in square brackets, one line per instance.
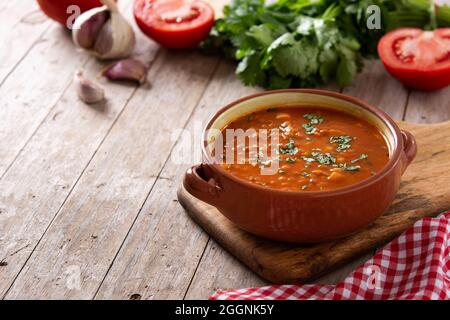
[318, 149]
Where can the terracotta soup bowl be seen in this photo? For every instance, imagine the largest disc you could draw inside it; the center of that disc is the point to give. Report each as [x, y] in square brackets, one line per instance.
[302, 217]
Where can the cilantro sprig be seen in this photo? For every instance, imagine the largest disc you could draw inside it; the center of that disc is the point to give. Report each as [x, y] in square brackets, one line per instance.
[289, 148]
[360, 158]
[313, 121]
[343, 142]
[322, 158]
[302, 43]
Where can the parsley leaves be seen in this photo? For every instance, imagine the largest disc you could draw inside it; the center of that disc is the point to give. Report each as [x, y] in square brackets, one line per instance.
[346, 167]
[302, 43]
[360, 158]
[322, 158]
[289, 148]
[342, 141]
[313, 120]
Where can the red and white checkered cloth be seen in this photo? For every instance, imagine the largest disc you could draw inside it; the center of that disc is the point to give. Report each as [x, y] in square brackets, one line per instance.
[414, 266]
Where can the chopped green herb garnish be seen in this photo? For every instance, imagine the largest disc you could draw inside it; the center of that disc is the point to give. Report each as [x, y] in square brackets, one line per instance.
[313, 119]
[324, 158]
[305, 174]
[361, 157]
[309, 128]
[289, 148]
[250, 118]
[342, 141]
[291, 160]
[272, 110]
[346, 167]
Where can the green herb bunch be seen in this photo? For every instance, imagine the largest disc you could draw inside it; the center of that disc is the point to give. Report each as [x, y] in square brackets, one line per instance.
[304, 43]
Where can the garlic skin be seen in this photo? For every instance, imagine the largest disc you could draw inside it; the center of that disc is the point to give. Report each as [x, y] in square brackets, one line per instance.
[88, 91]
[87, 31]
[104, 32]
[127, 69]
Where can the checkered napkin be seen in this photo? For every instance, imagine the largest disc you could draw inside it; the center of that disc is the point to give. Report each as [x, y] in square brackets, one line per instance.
[414, 266]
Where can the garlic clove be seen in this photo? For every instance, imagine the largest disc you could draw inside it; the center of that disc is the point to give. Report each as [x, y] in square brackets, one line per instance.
[104, 43]
[127, 69]
[88, 91]
[116, 39]
[86, 31]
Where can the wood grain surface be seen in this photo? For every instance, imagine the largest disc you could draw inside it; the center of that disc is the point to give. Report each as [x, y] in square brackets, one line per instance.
[88, 204]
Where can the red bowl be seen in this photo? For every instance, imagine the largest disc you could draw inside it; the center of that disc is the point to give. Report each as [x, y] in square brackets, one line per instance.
[303, 217]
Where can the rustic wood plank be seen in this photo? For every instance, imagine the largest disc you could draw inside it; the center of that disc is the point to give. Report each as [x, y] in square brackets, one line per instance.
[32, 90]
[219, 270]
[139, 261]
[162, 249]
[428, 107]
[375, 86]
[37, 84]
[45, 172]
[22, 25]
[91, 226]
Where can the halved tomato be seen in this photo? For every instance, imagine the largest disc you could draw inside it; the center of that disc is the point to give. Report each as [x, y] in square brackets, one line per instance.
[59, 10]
[176, 24]
[419, 59]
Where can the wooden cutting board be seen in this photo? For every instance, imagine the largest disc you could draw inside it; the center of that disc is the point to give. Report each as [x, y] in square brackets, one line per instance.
[424, 191]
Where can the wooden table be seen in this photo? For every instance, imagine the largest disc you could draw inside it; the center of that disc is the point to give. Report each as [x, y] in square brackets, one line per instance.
[88, 205]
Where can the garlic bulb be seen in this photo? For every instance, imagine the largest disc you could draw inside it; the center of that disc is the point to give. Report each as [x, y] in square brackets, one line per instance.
[104, 32]
[88, 91]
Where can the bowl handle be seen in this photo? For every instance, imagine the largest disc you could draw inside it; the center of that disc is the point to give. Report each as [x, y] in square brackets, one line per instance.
[409, 148]
[198, 184]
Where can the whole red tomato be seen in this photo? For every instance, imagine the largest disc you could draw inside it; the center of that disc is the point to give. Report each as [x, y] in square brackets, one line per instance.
[62, 10]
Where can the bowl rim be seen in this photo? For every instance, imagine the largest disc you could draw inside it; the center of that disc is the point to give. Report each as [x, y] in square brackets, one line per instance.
[383, 116]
